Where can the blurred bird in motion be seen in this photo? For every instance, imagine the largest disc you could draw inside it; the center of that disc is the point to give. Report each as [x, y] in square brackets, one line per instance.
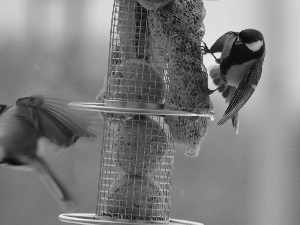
[32, 118]
[242, 56]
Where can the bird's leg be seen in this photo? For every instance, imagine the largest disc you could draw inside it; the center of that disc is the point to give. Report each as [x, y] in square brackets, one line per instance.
[212, 91]
[206, 50]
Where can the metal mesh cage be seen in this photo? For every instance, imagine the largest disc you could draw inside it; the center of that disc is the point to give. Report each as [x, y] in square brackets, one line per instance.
[155, 93]
[137, 152]
[155, 62]
[136, 63]
[136, 169]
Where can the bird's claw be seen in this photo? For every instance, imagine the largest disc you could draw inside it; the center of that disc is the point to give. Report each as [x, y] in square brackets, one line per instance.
[204, 48]
[209, 91]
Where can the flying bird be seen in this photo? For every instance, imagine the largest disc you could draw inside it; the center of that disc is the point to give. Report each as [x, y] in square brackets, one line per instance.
[32, 118]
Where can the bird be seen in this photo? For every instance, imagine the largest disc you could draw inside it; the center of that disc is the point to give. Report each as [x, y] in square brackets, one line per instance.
[21, 127]
[239, 69]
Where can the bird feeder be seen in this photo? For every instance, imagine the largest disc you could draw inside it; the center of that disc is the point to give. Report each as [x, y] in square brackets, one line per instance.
[155, 95]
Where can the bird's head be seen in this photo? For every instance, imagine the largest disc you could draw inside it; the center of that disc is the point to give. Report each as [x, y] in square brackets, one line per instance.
[253, 39]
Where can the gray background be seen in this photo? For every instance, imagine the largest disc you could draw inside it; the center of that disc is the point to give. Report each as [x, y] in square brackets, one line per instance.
[252, 178]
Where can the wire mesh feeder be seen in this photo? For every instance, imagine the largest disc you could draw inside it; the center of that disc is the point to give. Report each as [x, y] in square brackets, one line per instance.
[141, 103]
[136, 170]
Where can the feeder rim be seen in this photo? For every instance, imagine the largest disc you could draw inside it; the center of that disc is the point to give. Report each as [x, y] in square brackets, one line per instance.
[91, 219]
[103, 107]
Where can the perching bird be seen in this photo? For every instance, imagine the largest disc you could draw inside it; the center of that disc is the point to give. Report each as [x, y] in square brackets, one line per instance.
[32, 118]
[242, 56]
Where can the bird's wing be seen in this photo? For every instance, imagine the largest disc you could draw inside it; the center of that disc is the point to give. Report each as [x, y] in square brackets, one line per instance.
[53, 184]
[55, 120]
[220, 42]
[243, 92]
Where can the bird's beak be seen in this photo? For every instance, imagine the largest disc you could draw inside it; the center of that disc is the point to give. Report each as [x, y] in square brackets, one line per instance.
[238, 41]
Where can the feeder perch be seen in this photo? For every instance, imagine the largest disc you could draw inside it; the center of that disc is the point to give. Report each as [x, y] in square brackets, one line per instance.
[155, 95]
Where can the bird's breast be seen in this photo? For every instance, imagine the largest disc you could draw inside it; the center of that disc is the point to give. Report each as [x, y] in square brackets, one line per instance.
[236, 73]
[16, 132]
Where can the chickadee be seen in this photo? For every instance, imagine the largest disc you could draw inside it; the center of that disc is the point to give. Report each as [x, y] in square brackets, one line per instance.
[22, 125]
[242, 56]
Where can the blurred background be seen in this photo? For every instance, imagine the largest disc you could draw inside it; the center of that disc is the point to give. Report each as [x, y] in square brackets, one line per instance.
[253, 178]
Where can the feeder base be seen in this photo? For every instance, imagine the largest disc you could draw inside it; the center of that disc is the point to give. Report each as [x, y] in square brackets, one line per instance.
[91, 219]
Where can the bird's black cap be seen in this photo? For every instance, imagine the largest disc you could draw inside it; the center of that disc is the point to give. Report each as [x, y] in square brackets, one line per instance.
[250, 36]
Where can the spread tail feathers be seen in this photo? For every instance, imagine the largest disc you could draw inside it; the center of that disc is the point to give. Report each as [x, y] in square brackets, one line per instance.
[214, 72]
[227, 92]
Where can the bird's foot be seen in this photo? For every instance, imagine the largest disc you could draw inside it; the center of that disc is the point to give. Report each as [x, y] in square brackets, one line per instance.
[206, 50]
[209, 92]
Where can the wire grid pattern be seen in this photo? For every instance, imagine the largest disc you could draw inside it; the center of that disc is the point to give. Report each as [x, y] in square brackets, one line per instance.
[136, 169]
[137, 151]
[136, 62]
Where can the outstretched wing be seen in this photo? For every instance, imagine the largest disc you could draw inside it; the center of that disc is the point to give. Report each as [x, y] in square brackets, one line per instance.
[55, 121]
[218, 46]
[243, 92]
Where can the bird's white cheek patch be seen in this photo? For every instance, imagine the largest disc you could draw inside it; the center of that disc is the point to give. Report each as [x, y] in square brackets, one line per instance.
[255, 46]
